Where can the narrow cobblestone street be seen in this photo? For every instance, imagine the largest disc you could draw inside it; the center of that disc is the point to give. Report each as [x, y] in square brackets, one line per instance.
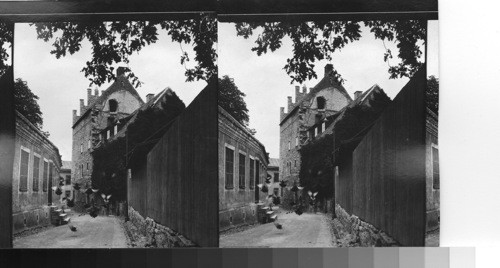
[99, 232]
[306, 230]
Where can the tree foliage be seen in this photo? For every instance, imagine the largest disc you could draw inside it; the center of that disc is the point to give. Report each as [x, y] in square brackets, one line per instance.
[26, 103]
[111, 159]
[231, 100]
[318, 40]
[115, 42]
[6, 36]
[433, 94]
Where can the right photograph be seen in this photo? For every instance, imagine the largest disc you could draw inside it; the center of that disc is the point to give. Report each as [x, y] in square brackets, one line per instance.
[328, 133]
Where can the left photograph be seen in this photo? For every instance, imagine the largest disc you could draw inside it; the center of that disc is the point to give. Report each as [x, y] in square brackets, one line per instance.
[116, 134]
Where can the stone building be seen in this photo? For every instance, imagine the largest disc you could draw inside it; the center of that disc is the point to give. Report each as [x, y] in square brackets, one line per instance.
[65, 177]
[99, 120]
[273, 171]
[310, 108]
[243, 163]
[37, 164]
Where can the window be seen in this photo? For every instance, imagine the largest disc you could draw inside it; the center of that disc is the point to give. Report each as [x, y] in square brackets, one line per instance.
[252, 174]
[23, 173]
[88, 144]
[296, 141]
[113, 106]
[289, 145]
[108, 134]
[257, 171]
[321, 102]
[315, 131]
[81, 148]
[116, 129]
[68, 179]
[45, 175]
[36, 173]
[323, 126]
[276, 177]
[435, 167]
[229, 168]
[81, 169]
[295, 163]
[241, 170]
[51, 177]
[87, 166]
[275, 190]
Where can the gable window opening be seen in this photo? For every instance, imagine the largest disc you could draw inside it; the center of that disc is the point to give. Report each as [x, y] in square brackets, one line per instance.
[113, 106]
[321, 102]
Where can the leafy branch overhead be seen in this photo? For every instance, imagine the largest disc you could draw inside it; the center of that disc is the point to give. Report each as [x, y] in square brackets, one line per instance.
[115, 42]
[318, 40]
[6, 36]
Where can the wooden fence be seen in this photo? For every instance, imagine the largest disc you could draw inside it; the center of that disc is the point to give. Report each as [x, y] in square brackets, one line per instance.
[387, 186]
[177, 183]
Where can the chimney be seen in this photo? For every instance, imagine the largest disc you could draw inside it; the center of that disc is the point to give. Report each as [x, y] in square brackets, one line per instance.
[82, 106]
[149, 97]
[357, 94]
[328, 69]
[121, 71]
[75, 117]
[282, 112]
[290, 103]
[89, 96]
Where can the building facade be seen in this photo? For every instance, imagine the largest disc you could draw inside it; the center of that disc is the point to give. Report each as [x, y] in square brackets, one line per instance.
[432, 172]
[327, 98]
[243, 163]
[37, 164]
[99, 120]
[273, 172]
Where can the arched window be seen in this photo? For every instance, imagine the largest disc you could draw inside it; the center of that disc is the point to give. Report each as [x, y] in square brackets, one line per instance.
[113, 105]
[321, 103]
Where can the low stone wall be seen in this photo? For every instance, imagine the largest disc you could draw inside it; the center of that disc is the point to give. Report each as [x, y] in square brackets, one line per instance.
[351, 231]
[26, 220]
[157, 235]
[236, 217]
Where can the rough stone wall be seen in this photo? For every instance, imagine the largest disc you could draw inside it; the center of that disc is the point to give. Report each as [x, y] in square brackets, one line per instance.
[237, 206]
[351, 231]
[157, 235]
[30, 208]
[433, 195]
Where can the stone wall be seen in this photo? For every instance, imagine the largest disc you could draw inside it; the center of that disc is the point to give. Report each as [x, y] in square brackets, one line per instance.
[351, 231]
[157, 235]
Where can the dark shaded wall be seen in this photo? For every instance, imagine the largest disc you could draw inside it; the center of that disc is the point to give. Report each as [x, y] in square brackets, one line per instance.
[177, 185]
[388, 188]
[7, 141]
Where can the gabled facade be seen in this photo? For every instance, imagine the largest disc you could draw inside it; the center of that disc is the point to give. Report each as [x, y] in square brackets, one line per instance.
[101, 113]
[327, 98]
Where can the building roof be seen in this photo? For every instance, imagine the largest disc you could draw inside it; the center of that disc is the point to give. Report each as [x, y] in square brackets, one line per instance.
[274, 162]
[39, 132]
[244, 129]
[66, 164]
[115, 87]
[326, 82]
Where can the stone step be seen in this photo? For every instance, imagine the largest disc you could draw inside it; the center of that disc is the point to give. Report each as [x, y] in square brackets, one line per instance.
[62, 215]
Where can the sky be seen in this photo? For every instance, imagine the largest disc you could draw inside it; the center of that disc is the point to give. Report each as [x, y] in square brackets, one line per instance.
[266, 84]
[60, 84]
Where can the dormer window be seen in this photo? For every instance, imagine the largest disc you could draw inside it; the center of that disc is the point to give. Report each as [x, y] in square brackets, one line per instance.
[113, 106]
[321, 103]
